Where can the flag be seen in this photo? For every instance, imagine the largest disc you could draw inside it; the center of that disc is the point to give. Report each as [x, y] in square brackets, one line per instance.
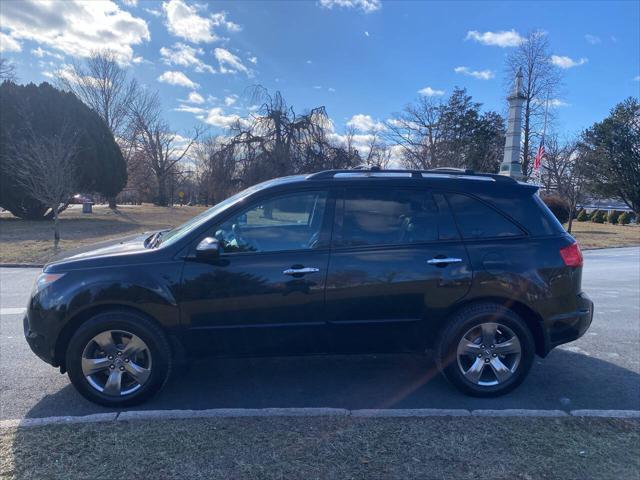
[539, 155]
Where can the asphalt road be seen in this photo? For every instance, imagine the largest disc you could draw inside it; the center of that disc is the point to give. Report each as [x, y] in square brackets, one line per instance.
[599, 371]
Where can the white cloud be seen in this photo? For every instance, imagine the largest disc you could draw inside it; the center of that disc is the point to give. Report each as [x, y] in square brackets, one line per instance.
[177, 78]
[317, 87]
[217, 117]
[366, 33]
[367, 6]
[184, 21]
[40, 53]
[228, 62]
[567, 62]
[130, 3]
[331, 89]
[8, 44]
[503, 39]
[430, 92]
[155, 13]
[308, 62]
[190, 109]
[364, 123]
[592, 39]
[253, 60]
[479, 74]
[74, 27]
[68, 73]
[230, 100]
[556, 103]
[185, 55]
[195, 97]
[636, 78]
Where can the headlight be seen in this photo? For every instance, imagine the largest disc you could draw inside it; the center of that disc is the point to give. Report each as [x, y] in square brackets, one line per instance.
[44, 280]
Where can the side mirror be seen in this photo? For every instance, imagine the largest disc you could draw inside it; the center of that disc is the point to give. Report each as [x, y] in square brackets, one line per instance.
[208, 249]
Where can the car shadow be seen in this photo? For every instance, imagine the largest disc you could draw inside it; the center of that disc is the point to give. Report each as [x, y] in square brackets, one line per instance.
[564, 380]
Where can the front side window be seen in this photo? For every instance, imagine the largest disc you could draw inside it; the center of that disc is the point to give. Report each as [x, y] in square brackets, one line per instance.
[477, 220]
[387, 217]
[287, 222]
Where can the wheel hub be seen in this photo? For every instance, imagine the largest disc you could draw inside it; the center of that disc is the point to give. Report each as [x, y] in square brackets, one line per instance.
[116, 363]
[489, 354]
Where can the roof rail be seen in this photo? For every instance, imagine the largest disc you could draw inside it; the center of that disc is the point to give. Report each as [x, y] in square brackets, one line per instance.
[369, 171]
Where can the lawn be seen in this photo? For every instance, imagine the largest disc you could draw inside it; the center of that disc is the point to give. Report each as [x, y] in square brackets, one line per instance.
[23, 241]
[603, 235]
[327, 447]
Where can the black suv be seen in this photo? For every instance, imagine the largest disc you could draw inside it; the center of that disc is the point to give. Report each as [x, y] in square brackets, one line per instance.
[472, 267]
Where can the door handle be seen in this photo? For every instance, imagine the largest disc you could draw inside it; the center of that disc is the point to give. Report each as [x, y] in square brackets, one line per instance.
[300, 271]
[442, 261]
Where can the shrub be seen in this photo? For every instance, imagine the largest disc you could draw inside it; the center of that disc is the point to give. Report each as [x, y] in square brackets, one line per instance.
[598, 216]
[625, 218]
[559, 206]
[612, 218]
[583, 216]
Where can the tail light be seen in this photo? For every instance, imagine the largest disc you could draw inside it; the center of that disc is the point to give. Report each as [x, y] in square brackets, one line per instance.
[571, 255]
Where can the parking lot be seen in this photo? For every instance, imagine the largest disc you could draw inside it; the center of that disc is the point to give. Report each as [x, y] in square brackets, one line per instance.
[599, 371]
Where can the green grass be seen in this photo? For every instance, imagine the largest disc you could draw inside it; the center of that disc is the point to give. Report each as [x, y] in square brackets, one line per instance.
[327, 447]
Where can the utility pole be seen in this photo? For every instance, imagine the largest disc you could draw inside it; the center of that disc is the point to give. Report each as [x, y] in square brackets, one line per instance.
[511, 166]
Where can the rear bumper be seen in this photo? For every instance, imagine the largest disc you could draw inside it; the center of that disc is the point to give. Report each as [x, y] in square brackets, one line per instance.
[567, 327]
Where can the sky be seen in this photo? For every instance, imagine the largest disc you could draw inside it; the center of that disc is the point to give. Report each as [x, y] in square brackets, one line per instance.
[364, 60]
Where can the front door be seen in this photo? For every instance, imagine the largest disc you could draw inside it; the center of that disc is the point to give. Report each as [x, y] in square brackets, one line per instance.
[265, 293]
[397, 261]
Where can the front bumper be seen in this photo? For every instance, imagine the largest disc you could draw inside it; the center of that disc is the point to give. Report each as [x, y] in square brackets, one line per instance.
[40, 344]
[567, 327]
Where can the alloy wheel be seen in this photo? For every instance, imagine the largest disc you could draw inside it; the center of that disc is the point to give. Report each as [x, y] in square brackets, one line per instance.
[116, 363]
[489, 354]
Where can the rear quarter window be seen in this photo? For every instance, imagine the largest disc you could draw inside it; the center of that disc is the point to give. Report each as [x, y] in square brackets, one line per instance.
[477, 220]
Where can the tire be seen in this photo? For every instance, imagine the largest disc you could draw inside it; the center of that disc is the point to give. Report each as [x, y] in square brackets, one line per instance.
[149, 358]
[461, 352]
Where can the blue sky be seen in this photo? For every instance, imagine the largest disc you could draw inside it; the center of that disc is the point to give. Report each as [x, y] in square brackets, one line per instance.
[362, 59]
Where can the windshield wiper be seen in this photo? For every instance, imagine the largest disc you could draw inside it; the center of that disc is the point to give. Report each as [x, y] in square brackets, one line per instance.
[154, 241]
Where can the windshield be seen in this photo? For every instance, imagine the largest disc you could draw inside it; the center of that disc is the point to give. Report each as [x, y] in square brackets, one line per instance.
[179, 232]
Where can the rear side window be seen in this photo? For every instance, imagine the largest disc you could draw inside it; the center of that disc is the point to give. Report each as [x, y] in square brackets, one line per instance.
[477, 220]
[384, 217]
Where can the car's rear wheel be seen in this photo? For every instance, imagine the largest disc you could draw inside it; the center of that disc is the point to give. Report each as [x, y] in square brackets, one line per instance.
[486, 350]
[118, 358]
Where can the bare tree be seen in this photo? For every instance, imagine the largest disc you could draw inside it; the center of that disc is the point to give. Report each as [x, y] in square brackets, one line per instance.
[102, 84]
[7, 70]
[45, 167]
[564, 171]
[417, 130]
[541, 81]
[376, 152]
[160, 147]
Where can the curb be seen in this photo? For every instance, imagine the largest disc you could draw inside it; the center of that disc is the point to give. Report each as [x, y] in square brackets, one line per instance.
[308, 412]
[606, 413]
[517, 412]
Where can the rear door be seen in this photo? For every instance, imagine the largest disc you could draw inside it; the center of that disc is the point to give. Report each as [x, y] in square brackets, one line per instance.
[397, 263]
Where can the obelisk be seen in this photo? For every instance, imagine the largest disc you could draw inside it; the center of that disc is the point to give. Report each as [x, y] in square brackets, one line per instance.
[511, 165]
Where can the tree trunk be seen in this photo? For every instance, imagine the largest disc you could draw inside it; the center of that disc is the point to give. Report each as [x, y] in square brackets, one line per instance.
[56, 229]
[162, 191]
[112, 203]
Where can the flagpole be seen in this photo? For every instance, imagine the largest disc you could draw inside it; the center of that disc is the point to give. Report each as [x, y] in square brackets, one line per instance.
[538, 172]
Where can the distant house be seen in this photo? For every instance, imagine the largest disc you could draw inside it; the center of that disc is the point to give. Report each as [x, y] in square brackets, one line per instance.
[606, 204]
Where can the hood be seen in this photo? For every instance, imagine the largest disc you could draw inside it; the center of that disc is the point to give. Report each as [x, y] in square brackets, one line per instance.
[99, 253]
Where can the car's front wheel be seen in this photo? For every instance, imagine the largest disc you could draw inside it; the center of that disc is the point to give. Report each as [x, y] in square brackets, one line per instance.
[486, 350]
[118, 358]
